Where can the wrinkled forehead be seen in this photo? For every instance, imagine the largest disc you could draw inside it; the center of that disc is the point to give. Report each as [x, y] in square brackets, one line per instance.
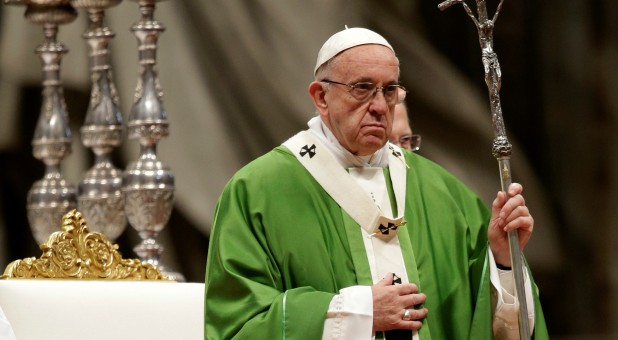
[370, 59]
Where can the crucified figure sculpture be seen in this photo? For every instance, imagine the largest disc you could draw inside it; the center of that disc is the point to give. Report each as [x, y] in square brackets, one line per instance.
[501, 149]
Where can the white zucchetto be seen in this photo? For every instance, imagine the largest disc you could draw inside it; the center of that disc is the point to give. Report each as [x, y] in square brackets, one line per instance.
[348, 38]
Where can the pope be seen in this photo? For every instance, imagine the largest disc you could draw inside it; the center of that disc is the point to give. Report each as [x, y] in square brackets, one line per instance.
[339, 234]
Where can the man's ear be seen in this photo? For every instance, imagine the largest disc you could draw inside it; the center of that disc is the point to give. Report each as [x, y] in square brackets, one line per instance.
[317, 94]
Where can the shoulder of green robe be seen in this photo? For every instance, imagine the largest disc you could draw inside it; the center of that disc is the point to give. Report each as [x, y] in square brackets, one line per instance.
[278, 164]
[431, 174]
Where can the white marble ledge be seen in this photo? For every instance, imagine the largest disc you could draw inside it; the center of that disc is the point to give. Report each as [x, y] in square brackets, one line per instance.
[88, 309]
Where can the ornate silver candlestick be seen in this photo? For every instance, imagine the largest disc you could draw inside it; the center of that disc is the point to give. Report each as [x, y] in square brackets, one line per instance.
[100, 197]
[52, 196]
[148, 183]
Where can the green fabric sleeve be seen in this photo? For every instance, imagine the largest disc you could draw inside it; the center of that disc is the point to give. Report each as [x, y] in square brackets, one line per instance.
[245, 297]
[250, 291]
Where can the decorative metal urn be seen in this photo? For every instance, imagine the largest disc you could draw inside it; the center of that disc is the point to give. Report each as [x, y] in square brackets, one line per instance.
[100, 197]
[52, 196]
[148, 183]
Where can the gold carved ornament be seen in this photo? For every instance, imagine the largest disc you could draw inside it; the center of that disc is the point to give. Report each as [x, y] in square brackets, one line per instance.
[77, 253]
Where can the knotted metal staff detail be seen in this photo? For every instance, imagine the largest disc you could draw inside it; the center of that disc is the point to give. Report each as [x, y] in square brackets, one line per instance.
[501, 149]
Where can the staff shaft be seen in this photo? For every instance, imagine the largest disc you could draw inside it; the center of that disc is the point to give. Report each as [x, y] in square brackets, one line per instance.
[504, 165]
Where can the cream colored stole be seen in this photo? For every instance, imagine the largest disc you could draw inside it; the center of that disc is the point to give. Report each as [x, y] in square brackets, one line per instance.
[378, 227]
[338, 183]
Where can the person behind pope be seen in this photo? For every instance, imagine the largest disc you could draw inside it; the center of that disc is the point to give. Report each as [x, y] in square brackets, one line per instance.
[338, 234]
[401, 132]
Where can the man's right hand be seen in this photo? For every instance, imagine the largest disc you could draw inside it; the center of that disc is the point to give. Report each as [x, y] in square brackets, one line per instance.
[390, 303]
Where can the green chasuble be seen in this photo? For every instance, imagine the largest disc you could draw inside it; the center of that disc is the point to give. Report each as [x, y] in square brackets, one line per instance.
[281, 248]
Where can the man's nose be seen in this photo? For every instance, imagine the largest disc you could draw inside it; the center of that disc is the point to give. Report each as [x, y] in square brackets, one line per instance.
[378, 103]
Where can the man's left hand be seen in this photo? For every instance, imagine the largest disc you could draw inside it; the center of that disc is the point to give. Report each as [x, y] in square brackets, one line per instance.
[507, 215]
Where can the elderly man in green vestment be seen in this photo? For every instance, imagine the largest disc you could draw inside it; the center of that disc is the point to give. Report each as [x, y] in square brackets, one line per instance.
[338, 234]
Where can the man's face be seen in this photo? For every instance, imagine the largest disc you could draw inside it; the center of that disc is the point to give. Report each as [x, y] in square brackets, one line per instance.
[361, 127]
